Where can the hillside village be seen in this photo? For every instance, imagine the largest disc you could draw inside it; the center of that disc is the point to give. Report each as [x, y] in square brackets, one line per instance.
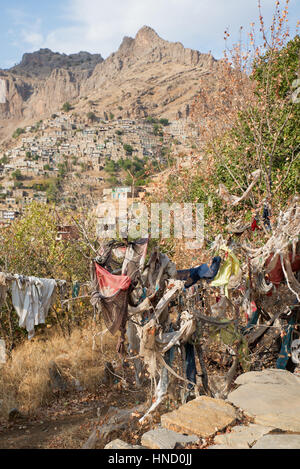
[181, 329]
[40, 151]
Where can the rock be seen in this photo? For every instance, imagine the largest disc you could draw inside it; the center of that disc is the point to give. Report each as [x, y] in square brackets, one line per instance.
[45, 80]
[92, 440]
[77, 385]
[116, 420]
[278, 442]
[14, 414]
[219, 447]
[203, 417]
[269, 376]
[242, 436]
[43, 61]
[272, 399]
[161, 438]
[58, 383]
[120, 444]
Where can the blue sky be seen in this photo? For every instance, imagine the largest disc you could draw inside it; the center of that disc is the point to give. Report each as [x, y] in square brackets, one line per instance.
[99, 26]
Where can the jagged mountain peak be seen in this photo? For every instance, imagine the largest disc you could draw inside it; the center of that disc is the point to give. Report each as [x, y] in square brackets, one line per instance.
[42, 62]
[126, 44]
[147, 75]
[147, 35]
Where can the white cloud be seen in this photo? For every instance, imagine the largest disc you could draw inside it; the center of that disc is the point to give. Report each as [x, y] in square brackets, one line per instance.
[99, 25]
[32, 38]
[26, 30]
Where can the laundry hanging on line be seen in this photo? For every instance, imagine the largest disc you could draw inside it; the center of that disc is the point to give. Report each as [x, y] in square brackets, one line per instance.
[31, 298]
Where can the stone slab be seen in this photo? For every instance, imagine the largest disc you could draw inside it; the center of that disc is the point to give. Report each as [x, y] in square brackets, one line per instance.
[242, 437]
[161, 438]
[203, 417]
[219, 447]
[278, 442]
[268, 376]
[274, 405]
[120, 444]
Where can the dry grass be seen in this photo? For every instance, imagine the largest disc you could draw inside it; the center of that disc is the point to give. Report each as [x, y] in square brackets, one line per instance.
[25, 381]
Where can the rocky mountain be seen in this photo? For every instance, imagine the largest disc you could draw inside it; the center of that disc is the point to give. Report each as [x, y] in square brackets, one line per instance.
[146, 76]
[43, 62]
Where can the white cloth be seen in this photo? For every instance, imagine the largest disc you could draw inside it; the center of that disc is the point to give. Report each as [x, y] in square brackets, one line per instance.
[32, 299]
[2, 351]
[3, 288]
[187, 329]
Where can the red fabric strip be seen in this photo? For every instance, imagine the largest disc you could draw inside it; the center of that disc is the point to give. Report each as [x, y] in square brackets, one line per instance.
[109, 282]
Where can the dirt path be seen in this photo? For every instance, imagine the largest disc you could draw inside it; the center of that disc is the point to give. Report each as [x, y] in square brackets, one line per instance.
[67, 424]
[63, 433]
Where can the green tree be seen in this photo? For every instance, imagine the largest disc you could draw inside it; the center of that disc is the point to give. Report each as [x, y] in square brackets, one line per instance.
[53, 192]
[4, 160]
[151, 120]
[29, 246]
[157, 130]
[91, 116]
[128, 148]
[18, 132]
[18, 185]
[17, 175]
[164, 122]
[67, 107]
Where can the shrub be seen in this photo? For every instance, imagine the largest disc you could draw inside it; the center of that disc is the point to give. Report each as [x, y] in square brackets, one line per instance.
[67, 107]
[18, 132]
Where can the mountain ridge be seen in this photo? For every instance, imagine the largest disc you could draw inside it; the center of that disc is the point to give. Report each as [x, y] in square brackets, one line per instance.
[147, 75]
[44, 61]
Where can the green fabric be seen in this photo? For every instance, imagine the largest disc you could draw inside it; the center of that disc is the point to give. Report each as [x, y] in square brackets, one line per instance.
[75, 289]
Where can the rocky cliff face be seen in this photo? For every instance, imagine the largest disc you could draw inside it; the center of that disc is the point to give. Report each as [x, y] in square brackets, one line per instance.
[145, 49]
[13, 95]
[43, 62]
[42, 82]
[49, 95]
[146, 76]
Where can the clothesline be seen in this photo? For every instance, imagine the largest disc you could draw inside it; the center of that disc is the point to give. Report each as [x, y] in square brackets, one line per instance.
[10, 277]
[76, 298]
